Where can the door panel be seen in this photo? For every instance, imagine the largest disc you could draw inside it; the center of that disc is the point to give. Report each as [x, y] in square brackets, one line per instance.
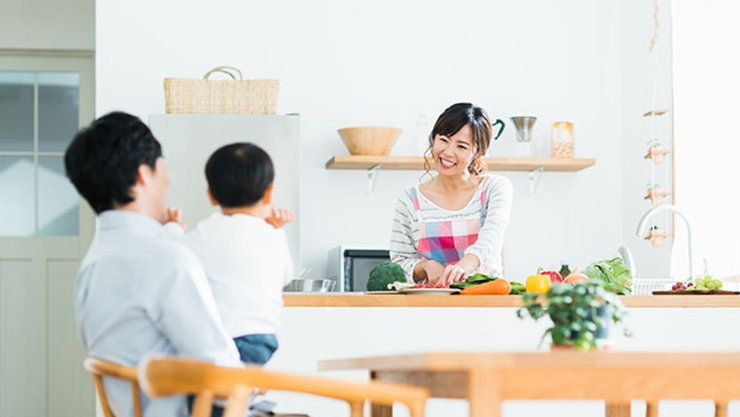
[22, 339]
[68, 388]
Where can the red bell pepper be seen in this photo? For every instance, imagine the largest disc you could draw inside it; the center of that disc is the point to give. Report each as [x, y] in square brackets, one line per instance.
[554, 276]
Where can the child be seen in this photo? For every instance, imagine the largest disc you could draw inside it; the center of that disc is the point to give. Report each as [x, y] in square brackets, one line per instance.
[244, 254]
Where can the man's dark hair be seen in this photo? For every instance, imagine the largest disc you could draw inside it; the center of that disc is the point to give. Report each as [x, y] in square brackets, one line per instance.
[239, 174]
[104, 158]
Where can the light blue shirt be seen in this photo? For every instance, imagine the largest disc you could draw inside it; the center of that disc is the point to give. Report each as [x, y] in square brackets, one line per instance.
[139, 292]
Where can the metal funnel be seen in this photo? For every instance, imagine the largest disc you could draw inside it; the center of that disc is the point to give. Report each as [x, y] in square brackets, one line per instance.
[523, 126]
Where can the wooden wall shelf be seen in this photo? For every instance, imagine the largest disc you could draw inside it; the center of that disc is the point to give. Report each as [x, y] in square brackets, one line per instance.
[494, 164]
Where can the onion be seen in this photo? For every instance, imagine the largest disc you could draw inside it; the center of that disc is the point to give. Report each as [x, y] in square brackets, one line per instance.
[575, 277]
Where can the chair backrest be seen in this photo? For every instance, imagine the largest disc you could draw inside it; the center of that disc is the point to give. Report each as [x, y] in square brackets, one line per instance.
[176, 376]
[100, 368]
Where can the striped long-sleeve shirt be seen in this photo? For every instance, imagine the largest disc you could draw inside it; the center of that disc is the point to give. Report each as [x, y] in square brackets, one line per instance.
[405, 231]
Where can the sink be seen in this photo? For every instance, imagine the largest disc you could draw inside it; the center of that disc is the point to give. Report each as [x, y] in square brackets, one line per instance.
[646, 286]
[310, 285]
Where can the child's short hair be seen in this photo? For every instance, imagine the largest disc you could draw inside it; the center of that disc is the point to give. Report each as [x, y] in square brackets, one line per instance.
[238, 174]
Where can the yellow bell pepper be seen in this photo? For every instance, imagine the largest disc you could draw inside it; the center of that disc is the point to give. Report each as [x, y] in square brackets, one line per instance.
[538, 283]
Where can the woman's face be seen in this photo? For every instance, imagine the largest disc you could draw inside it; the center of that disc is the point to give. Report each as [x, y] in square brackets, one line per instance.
[453, 154]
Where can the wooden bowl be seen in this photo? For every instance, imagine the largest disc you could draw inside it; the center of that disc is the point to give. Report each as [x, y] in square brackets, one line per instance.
[369, 140]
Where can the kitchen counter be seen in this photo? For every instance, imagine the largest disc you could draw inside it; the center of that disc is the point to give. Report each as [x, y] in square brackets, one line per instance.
[344, 325]
[397, 300]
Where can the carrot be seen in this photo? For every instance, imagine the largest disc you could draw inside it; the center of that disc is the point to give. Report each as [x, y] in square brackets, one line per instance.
[497, 287]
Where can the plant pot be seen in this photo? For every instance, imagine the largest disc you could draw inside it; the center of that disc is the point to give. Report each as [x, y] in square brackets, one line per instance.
[603, 313]
[563, 348]
[601, 344]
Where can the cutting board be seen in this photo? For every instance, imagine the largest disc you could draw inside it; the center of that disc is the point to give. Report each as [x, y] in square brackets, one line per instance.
[696, 292]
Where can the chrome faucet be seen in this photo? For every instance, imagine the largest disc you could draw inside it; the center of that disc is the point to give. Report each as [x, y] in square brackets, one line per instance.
[642, 225]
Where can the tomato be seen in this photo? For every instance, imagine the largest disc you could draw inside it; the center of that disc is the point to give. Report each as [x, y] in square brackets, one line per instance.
[538, 283]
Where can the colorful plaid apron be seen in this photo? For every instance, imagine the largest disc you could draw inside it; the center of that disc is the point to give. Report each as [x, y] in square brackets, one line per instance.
[446, 241]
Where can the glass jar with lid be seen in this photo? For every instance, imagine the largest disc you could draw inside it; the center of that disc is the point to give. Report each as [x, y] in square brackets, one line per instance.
[562, 139]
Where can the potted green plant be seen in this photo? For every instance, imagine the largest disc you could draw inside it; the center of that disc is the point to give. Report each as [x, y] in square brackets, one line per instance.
[581, 314]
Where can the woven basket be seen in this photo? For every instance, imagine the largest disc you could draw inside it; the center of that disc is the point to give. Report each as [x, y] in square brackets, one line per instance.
[235, 96]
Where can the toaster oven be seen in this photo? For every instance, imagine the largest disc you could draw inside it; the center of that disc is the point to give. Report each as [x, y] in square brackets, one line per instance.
[350, 265]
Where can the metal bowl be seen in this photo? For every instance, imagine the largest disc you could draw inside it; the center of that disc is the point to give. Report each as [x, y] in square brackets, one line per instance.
[310, 285]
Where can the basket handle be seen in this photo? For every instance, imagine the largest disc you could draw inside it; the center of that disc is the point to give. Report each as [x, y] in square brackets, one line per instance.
[226, 70]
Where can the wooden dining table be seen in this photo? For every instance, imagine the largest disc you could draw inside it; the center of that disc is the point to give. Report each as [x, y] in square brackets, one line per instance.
[486, 379]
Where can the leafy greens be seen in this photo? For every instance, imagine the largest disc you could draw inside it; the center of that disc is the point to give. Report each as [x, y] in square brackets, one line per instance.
[474, 279]
[613, 273]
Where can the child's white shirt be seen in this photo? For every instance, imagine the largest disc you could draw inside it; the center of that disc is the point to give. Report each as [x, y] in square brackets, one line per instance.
[248, 263]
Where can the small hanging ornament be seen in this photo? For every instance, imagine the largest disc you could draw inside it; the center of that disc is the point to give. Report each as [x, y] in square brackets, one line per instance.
[656, 236]
[656, 194]
[656, 152]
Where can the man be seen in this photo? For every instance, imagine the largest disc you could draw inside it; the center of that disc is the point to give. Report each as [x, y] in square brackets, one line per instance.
[138, 292]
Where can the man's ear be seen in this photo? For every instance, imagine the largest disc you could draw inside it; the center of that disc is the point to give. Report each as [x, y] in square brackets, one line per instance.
[210, 197]
[267, 198]
[143, 178]
[143, 174]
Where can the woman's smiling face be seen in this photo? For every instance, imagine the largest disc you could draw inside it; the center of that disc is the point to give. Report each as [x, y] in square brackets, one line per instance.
[453, 154]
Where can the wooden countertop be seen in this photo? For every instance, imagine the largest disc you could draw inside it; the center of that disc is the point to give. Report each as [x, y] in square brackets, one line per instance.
[398, 300]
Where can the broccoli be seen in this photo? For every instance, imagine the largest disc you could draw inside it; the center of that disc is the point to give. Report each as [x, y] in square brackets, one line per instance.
[383, 274]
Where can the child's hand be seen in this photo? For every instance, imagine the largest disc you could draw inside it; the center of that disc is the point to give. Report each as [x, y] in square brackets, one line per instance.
[279, 217]
[173, 214]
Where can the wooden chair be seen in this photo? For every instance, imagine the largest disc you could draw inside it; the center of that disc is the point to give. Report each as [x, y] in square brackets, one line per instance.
[100, 368]
[176, 376]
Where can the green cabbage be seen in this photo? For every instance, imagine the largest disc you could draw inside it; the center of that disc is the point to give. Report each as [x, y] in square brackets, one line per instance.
[613, 273]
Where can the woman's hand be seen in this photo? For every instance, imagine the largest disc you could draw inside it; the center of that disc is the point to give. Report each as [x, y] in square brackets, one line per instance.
[452, 273]
[279, 217]
[428, 269]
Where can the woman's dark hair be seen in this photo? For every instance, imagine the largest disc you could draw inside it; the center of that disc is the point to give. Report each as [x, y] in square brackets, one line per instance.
[238, 174]
[452, 120]
[103, 159]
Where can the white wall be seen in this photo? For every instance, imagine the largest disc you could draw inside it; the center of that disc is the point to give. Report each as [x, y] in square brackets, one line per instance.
[387, 62]
[47, 24]
[706, 91]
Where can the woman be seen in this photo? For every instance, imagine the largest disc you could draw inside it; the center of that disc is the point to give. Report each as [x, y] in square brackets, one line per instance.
[453, 224]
